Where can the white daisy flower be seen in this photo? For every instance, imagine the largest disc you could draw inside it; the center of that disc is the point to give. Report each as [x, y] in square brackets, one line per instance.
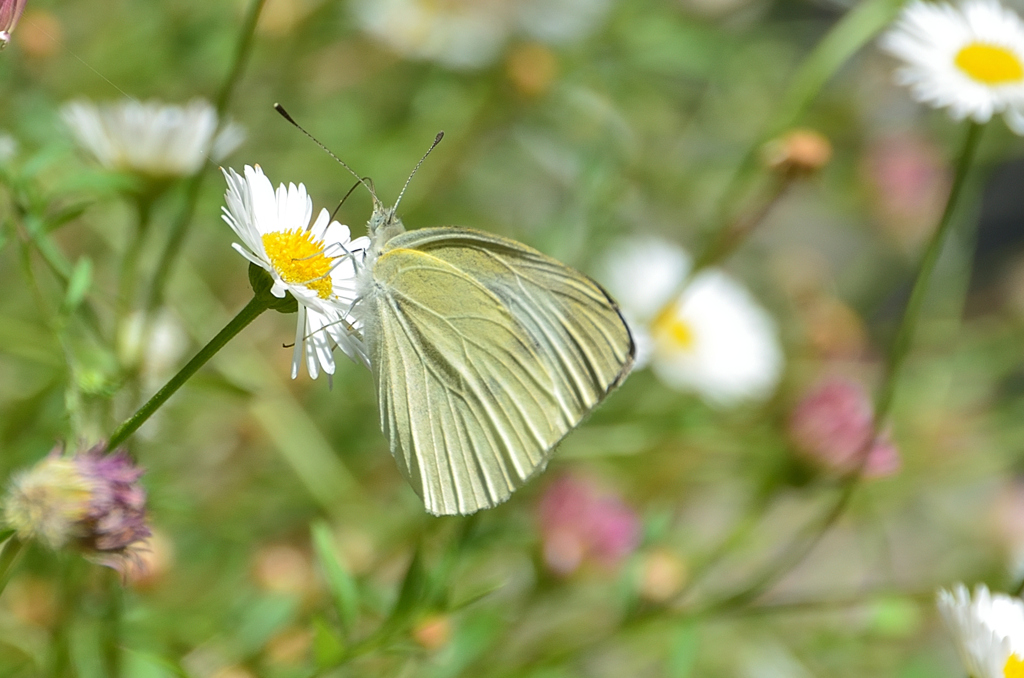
[315, 263]
[711, 337]
[988, 631]
[467, 34]
[968, 59]
[457, 33]
[158, 140]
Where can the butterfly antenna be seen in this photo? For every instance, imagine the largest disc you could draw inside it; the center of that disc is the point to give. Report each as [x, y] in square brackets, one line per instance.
[284, 114]
[354, 187]
[437, 140]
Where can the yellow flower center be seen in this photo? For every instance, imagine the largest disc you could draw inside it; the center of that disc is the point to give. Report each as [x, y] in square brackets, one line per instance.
[1014, 667]
[989, 64]
[671, 330]
[299, 259]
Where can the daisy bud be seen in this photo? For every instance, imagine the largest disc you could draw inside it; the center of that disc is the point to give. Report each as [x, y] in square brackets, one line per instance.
[433, 631]
[662, 576]
[831, 428]
[800, 151]
[10, 12]
[90, 501]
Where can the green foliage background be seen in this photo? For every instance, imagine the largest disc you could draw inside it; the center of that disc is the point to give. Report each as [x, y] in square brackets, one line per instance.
[641, 130]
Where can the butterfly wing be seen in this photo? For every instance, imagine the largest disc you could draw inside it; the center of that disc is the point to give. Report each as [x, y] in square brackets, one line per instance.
[485, 353]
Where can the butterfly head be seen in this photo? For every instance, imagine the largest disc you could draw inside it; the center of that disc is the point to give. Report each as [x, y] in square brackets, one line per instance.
[383, 224]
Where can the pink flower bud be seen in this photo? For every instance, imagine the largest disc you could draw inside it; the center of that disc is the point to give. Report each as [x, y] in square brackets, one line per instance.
[10, 12]
[579, 521]
[831, 428]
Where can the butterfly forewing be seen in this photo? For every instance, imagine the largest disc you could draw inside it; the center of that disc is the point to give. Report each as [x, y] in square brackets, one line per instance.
[494, 352]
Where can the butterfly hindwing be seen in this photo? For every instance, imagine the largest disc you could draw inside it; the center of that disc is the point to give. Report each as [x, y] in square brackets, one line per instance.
[485, 353]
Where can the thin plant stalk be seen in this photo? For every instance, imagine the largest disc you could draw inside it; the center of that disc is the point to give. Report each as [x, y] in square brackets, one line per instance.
[732, 234]
[898, 352]
[70, 598]
[130, 261]
[857, 27]
[10, 557]
[111, 624]
[179, 229]
[33, 235]
[250, 312]
[794, 554]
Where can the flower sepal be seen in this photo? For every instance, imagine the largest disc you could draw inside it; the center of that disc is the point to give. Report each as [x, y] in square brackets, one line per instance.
[261, 283]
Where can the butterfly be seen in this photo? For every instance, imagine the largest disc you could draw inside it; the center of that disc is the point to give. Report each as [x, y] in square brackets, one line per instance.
[485, 353]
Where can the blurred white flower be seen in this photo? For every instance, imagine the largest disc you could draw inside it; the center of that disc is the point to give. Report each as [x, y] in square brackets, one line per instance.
[467, 34]
[458, 34]
[312, 262]
[161, 141]
[8, 148]
[153, 344]
[561, 21]
[969, 59]
[711, 337]
[988, 630]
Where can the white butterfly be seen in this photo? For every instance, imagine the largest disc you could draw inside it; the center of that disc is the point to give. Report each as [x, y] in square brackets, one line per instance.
[485, 354]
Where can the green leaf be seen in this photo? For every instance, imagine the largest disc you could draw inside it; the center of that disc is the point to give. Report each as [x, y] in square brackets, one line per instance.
[475, 597]
[342, 586]
[140, 664]
[683, 654]
[84, 648]
[328, 648]
[414, 587]
[65, 214]
[78, 284]
[264, 618]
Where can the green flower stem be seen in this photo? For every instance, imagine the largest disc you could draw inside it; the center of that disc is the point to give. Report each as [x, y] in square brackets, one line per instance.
[130, 261]
[251, 311]
[111, 623]
[795, 554]
[33, 232]
[905, 333]
[179, 229]
[9, 559]
[730, 236]
[844, 39]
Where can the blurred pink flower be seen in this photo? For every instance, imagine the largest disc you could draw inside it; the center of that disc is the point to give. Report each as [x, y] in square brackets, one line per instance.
[10, 12]
[908, 181]
[580, 521]
[831, 425]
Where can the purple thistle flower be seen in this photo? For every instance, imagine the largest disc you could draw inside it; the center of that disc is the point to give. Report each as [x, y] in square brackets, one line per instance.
[10, 12]
[91, 501]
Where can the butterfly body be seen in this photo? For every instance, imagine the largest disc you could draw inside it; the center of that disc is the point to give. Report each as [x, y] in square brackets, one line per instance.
[485, 354]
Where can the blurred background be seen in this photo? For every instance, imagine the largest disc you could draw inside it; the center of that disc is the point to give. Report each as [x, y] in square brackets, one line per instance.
[579, 127]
